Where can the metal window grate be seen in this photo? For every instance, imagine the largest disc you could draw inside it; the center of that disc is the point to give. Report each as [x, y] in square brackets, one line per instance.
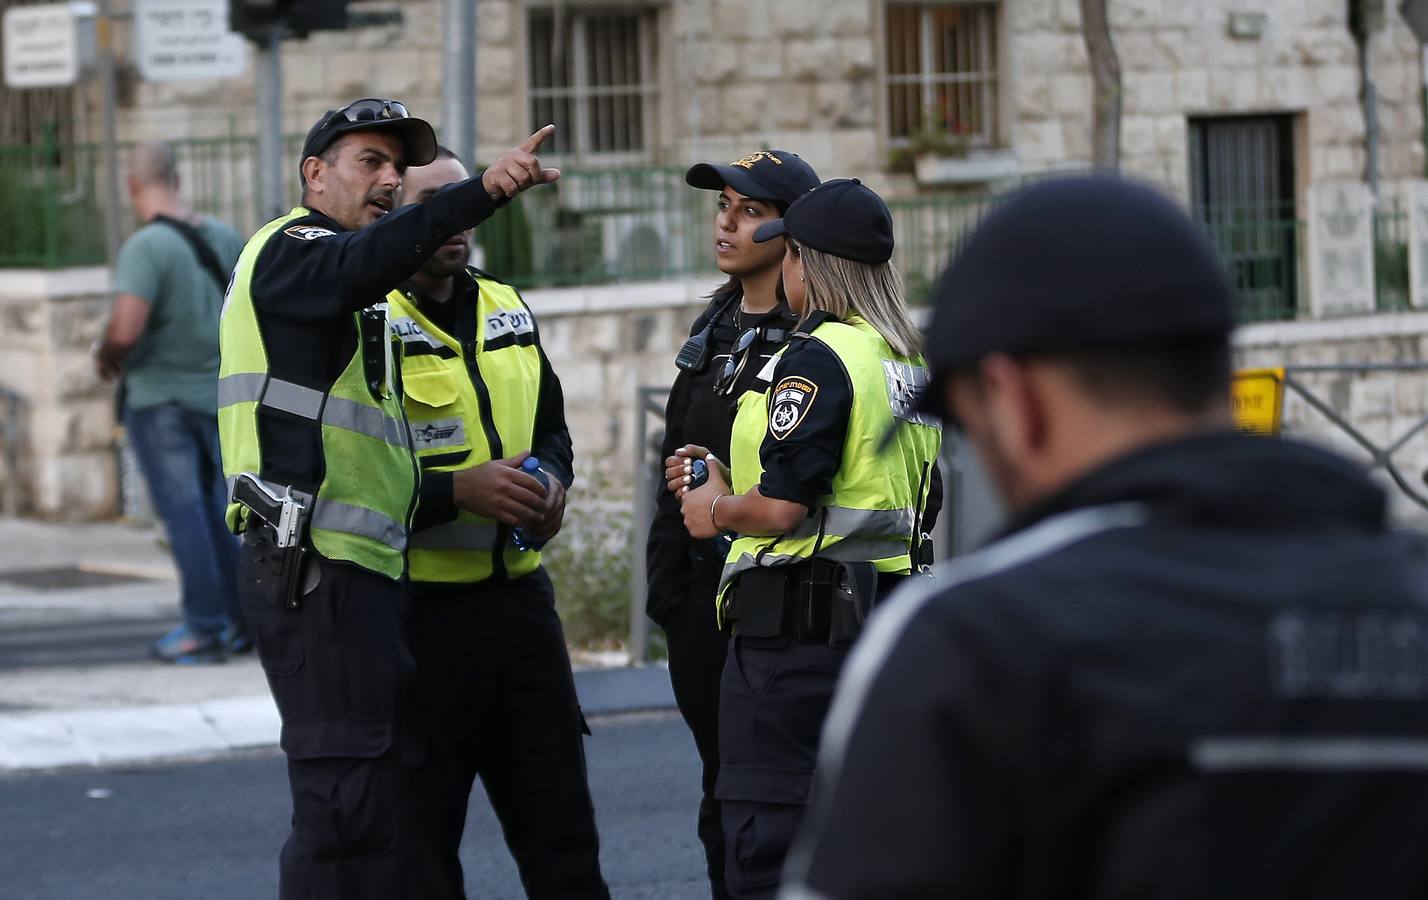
[941, 73]
[593, 75]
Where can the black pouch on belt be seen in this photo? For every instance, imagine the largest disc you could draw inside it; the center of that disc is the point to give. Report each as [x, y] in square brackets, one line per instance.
[852, 601]
[759, 602]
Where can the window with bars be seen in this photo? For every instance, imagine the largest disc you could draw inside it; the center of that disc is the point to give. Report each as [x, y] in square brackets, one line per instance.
[593, 74]
[941, 73]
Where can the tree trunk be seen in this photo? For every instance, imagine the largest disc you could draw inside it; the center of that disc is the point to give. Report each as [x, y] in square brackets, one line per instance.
[1106, 84]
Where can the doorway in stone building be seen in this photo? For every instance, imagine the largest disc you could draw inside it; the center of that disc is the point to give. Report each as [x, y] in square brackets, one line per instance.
[1242, 190]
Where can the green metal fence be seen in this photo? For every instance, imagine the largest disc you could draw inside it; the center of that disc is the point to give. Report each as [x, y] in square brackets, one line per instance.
[1390, 257]
[608, 226]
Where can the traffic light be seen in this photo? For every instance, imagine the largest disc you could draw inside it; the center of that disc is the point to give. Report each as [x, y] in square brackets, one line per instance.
[295, 18]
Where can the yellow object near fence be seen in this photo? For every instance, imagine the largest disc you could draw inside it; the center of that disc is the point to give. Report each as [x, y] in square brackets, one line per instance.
[1258, 398]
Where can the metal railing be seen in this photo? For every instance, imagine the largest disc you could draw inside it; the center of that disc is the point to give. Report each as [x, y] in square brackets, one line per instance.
[601, 226]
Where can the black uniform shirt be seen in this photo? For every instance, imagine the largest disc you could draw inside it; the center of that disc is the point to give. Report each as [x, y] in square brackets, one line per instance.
[676, 564]
[550, 442]
[1196, 673]
[309, 279]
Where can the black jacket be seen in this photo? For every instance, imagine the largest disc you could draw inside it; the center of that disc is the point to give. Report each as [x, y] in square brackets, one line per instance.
[676, 564]
[1200, 672]
[308, 280]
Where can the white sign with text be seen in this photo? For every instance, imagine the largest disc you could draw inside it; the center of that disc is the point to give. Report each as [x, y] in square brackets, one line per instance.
[47, 45]
[186, 40]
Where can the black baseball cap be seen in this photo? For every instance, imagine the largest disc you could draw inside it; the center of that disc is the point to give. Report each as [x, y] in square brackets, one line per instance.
[1072, 264]
[765, 175]
[843, 217]
[373, 114]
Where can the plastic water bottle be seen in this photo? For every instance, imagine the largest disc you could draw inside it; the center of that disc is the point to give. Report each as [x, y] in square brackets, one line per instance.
[531, 467]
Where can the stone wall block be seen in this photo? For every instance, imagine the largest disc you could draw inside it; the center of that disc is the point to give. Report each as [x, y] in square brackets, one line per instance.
[1138, 136]
[77, 485]
[857, 58]
[1222, 90]
[1192, 90]
[793, 103]
[1039, 143]
[1071, 96]
[811, 60]
[75, 378]
[1171, 136]
[741, 18]
[75, 324]
[717, 62]
[794, 18]
[1031, 96]
[496, 69]
[1147, 93]
[848, 17]
[744, 107]
[760, 59]
[1372, 397]
[1336, 83]
[23, 324]
[837, 103]
[1033, 15]
[495, 23]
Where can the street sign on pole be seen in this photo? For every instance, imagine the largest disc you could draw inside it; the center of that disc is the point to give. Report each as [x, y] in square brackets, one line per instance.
[186, 40]
[48, 45]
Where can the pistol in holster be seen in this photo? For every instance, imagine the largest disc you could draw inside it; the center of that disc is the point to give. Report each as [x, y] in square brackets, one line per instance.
[284, 519]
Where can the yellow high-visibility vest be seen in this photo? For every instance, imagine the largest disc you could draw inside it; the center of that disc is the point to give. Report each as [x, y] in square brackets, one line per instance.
[468, 405]
[877, 495]
[362, 511]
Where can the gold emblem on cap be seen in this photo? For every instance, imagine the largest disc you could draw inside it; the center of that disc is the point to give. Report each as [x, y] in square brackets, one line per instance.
[748, 161]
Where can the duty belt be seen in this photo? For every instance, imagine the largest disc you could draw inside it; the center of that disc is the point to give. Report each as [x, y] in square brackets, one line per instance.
[813, 602]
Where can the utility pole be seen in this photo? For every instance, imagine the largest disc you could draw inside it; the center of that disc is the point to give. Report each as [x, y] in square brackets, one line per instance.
[110, 98]
[458, 88]
[271, 168]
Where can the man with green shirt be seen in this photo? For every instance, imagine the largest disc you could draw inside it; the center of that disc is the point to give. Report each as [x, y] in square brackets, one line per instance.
[162, 343]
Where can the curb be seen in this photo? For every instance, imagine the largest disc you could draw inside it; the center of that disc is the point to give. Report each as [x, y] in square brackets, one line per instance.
[54, 739]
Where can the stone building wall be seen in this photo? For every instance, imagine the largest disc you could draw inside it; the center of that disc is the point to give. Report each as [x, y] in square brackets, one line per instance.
[48, 320]
[737, 75]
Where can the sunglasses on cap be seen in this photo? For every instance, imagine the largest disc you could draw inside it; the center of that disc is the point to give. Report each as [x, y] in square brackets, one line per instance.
[369, 110]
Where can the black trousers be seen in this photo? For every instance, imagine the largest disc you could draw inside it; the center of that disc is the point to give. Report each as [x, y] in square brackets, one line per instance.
[497, 699]
[339, 671]
[774, 697]
[696, 663]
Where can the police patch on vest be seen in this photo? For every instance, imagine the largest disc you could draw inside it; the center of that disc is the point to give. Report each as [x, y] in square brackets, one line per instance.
[438, 433]
[792, 399]
[905, 384]
[509, 328]
[308, 232]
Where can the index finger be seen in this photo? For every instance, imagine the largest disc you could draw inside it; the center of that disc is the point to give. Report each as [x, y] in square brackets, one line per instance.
[532, 143]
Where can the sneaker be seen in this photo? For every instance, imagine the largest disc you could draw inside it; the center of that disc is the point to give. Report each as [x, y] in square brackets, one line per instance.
[235, 640]
[184, 647]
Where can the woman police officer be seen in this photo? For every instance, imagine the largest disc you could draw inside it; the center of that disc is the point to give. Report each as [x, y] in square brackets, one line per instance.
[832, 471]
[684, 573]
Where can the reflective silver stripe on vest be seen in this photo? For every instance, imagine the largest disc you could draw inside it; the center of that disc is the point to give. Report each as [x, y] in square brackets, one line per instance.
[363, 419]
[455, 536]
[243, 388]
[331, 515]
[303, 402]
[306, 403]
[844, 521]
[854, 550]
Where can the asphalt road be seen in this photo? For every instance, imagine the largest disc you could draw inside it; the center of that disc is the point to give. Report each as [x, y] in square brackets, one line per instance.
[212, 830]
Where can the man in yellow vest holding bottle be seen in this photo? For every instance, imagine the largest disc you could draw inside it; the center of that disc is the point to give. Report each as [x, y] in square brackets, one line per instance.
[321, 466]
[494, 688]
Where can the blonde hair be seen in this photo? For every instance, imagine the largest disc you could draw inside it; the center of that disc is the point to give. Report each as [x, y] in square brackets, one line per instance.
[843, 287]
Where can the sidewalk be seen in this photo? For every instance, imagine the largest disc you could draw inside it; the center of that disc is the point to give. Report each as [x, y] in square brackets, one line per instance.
[103, 579]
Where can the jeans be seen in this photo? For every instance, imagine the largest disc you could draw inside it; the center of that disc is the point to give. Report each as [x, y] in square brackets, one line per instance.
[177, 450]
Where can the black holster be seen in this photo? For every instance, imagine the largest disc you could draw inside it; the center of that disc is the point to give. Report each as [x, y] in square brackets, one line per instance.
[282, 568]
[815, 602]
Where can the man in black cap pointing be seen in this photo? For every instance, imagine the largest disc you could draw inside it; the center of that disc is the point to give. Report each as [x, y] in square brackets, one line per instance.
[1193, 663]
[323, 478]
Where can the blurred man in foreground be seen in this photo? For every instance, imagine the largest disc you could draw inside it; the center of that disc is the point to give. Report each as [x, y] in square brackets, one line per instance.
[1195, 663]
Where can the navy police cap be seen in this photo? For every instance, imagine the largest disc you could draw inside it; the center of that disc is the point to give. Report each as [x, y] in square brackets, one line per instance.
[1076, 264]
[842, 217]
[765, 175]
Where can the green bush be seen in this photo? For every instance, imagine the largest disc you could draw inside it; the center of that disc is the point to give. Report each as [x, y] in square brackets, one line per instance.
[589, 562]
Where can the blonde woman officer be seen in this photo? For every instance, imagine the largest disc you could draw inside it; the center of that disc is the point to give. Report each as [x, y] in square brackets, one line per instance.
[829, 512]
